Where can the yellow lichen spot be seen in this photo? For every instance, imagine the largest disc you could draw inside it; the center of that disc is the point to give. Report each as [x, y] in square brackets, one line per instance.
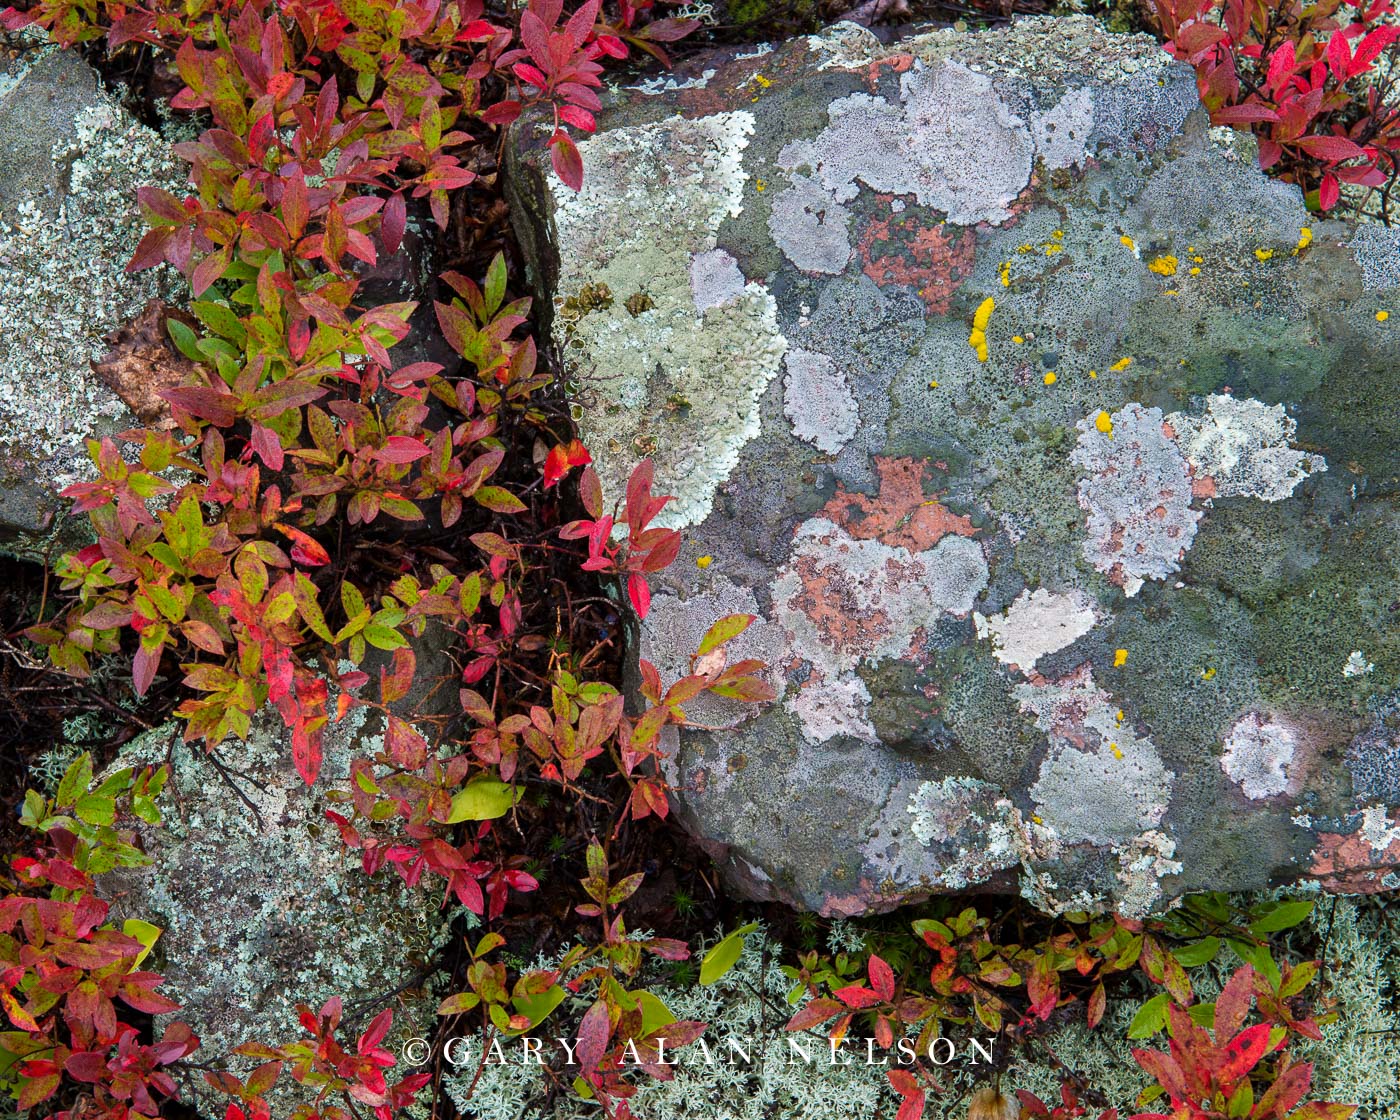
[1058, 235]
[1113, 747]
[1199, 260]
[760, 185]
[1053, 247]
[1017, 339]
[1094, 374]
[1171, 292]
[1036, 819]
[1382, 316]
[1120, 658]
[1207, 674]
[1005, 274]
[704, 561]
[1128, 242]
[1050, 379]
[1164, 265]
[1120, 365]
[1190, 248]
[1262, 255]
[1195, 271]
[1119, 715]
[983, 314]
[933, 384]
[1104, 423]
[761, 81]
[1025, 248]
[1304, 239]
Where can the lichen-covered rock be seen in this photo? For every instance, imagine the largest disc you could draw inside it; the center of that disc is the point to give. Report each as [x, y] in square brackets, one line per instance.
[1054, 445]
[71, 160]
[262, 905]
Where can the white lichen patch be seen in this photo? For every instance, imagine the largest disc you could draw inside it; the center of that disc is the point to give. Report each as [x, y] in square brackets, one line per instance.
[1062, 131]
[1142, 864]
[811, 227]
[846, 602]
[656, 378]
[1259, 750]
[1100, 781]
[974, 830]
[826, 709]
[818, 400]
[715, 280]
[1137, 495]
[951, 142]
[1039, 622]
[1242, 447]
[1356, 665]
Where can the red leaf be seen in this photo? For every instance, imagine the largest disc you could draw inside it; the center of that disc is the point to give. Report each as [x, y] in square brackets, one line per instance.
[1248, 113]
[268, 446]
[639, 593]
[567, 162]
[1339, 56]
[1167, 1073]
[393, 222]
[1328, 193]
[1097, 1003]
[1244, 1053]
[1232, 1005]
[593, 1033]
[857, 996]
[881, 978]
[1331, 148]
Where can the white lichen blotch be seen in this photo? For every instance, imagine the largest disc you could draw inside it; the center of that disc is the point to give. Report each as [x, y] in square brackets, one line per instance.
[1038, 623]
[818, 400]
[1242, 446]
[1259, 750]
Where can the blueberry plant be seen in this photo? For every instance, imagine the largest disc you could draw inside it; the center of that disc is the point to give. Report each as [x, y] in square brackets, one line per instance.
[1316, 83]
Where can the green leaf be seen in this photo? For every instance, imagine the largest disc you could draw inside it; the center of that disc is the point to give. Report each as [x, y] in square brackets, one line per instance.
[484, 799]
[655, 1014]
[458, 1003]
[145, 933]
[1285, 915]
[725, 955]
[1262, 960]
[495, 284]
[1151, 1017]
[498, 499]
[540, 1007]
[382, 637]
[186, 341]
[1197, 953]
[726, 629]
[220, 319]
[75, 782]
[94, 809]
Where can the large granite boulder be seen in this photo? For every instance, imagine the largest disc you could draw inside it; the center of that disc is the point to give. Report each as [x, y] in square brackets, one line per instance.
[71, 159]
[1054, 445]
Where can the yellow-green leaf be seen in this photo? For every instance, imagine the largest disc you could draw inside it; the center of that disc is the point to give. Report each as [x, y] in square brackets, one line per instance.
[725, 955]
[484, 799]
[145, 933]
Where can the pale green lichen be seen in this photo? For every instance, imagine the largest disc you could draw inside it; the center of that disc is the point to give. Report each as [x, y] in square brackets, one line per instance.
[628, 367]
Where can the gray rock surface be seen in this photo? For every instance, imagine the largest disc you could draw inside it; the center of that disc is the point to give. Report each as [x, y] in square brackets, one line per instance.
[1055, 446]
[262, 905]
[70, 162]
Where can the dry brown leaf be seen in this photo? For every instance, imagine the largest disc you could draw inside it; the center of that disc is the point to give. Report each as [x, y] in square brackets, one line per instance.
[143, 361]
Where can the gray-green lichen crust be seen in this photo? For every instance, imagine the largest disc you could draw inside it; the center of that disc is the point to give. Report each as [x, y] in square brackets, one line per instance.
[261, 904]
[1072, 518]
[71, 160]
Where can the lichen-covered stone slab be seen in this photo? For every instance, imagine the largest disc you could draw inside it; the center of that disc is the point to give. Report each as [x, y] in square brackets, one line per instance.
[1055, 447]
[262, 905]
[71, 160]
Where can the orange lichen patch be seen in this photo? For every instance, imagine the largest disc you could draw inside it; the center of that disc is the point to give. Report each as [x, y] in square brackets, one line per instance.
[831, 599]
[898, 64]
[899, 515]
[932, 261]
[1203, 487]
[1350, 864]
